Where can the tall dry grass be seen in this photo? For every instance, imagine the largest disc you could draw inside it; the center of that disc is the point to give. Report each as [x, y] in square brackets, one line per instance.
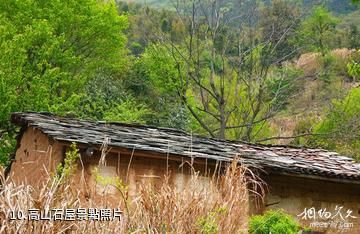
[219, 207]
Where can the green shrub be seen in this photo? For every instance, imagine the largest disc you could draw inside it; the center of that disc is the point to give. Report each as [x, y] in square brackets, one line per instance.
[340, 129]
[7, 146]
[208, 224]
[273, 221]
[353, 66]
[353, 69]
[282, 84]
[63, 171]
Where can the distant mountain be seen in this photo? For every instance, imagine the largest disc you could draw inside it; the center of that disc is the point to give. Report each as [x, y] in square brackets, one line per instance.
[336, 6]
[153, 3]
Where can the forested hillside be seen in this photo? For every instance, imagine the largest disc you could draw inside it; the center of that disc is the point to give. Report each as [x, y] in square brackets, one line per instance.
[274, 72]
[336, 6]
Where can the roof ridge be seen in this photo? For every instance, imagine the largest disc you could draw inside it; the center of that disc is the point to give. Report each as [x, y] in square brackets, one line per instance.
[167, 141]
[144, 126]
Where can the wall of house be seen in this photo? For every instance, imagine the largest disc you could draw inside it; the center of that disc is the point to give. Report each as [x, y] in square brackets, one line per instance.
[140, 172]
[294, 194]
[36, 157]
[135, 171]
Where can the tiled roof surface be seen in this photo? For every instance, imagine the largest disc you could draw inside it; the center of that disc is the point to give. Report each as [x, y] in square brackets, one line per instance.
[277, 159]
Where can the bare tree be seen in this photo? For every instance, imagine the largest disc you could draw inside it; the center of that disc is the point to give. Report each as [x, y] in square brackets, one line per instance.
[223, 62]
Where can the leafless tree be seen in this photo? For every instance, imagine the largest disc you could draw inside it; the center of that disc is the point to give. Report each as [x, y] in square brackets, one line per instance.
[223, 64]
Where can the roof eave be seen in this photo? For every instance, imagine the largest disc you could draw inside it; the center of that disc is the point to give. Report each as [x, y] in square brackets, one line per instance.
[316, 177]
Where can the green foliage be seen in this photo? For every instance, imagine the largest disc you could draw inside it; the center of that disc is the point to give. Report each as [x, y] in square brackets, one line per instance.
[282, 84]
[128, 111]
[154, 82]
[208, 224]
[105, 98]
[256, 97]
[112, 181]
[70, 58]
[326, 71]
[161, 69]
[67, 169]
[353, 69]
[341, 6]
[7, 145]
[341, 127]
[304, 126]
[318, 30]
[106, 180]
[273, 222]
[217, 89]
[51, 48]
[279, 22]
[49, 52]
[354, 36]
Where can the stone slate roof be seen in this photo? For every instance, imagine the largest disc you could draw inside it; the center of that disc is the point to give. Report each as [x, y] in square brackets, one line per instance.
[316, 163]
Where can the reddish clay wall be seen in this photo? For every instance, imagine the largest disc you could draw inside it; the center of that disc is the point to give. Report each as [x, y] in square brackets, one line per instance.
[133, 171]
[36, 158]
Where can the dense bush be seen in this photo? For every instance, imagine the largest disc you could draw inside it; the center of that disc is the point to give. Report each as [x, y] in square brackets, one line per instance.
[273, 221]
[340, 129]
[49, 51]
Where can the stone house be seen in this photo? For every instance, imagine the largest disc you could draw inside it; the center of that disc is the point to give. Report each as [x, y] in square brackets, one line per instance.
[304, 182]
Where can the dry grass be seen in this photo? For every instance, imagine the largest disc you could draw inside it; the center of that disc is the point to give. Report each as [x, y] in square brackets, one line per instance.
[310, 63]
[219, 207]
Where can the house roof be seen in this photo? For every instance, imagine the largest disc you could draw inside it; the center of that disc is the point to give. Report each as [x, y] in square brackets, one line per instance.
[316, 163]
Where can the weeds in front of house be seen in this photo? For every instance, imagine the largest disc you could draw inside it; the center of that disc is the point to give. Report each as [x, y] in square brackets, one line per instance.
[65, 170]
[273, 221]
[216, 205]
